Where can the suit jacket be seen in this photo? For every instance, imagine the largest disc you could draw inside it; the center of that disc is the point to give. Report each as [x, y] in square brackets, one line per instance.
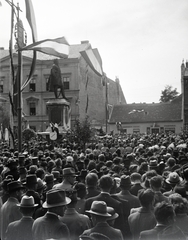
[151, 234]
[9, 213]
[124, 225]
[141, 220]
[92, 192]
[105, 229]
[21, 229]
[135, 188]
[181, 220]
[75, 222]
[159, 197]
[49, 226]
[132, 200]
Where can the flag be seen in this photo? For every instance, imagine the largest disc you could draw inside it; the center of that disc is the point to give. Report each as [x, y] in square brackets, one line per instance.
[87, 103]
[32, 70]
[92, 60]
[87, 78]
[6, 134]
[30, 15]
[58, 47]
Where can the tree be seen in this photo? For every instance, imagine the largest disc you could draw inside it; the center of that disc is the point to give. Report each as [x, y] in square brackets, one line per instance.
[28, 134]
[82, 131]
[168, 94]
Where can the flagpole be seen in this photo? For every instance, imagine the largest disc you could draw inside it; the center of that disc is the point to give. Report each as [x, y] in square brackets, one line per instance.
[106, 103]
[19, 108]
[11, 82]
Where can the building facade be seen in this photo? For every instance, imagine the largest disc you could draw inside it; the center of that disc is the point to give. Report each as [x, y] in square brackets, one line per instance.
[155, 117]
[87, 93]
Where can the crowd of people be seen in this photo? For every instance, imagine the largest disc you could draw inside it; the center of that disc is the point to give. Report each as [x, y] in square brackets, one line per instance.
[116, 188]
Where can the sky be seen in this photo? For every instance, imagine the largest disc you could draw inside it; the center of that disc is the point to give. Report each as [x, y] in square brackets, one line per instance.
[142, 42]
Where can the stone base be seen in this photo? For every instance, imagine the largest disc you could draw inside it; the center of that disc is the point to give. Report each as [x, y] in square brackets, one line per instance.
[59, 112]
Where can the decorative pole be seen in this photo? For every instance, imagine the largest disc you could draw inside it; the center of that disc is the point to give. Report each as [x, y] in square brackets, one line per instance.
[20, 44]
[106, 104]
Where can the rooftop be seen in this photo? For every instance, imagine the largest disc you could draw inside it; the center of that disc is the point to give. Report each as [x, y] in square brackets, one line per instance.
[144, 112]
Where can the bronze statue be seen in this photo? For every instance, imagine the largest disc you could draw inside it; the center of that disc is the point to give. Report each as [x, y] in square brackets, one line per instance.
[55, 80]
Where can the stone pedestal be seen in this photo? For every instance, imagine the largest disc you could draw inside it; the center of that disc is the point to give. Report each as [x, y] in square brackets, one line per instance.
[59, 112]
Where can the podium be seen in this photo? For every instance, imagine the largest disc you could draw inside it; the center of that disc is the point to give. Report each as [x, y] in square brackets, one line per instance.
[59, 112]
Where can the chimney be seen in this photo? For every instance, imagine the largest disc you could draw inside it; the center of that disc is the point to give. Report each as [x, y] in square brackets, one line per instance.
[117, 80]
[85, 41]
[186, 64]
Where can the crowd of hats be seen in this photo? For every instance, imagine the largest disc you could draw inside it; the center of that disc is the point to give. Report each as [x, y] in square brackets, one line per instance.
[121, 157]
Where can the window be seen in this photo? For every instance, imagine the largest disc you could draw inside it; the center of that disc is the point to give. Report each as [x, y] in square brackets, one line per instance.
[47, 83]
[148, 130]
[32, 85]
[32, 108]
[136, 130]
[66, 81]
[1, 84]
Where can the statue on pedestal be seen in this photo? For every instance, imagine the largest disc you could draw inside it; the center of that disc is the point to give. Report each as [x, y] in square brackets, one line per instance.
[55, 81]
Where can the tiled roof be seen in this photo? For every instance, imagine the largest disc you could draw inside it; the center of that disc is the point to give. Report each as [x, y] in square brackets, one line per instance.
[143, 112]
[73, 52]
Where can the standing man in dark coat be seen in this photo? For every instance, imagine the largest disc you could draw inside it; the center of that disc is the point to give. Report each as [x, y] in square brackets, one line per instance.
[106, 183]
[22, 229]
[10, 211]
[99, 215]
[164, 214]
[55, 80]
[49, 226]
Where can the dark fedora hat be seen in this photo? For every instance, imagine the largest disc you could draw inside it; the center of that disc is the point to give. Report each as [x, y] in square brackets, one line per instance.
[99, 208]
[49, 178]
[56, 175]
[31, 179]
[14, 186]
[55, 198]
[125, 180]
[27, 202]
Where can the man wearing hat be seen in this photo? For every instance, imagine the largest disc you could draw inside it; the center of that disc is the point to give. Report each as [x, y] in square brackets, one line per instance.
[125, 185]
[106, 184]
[174, 180]
[99, 216]
[49, 226]
[31, 184]
[49, 183]
[10, 211]
[22, 229]
[69, 178]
